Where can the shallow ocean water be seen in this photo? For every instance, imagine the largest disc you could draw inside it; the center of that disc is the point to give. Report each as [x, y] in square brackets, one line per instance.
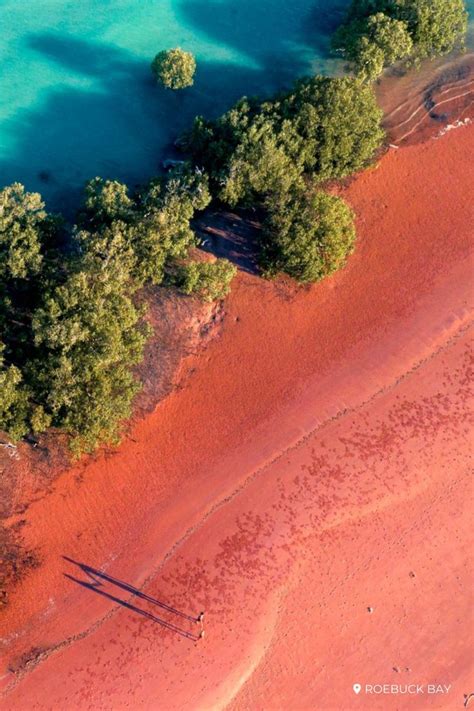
[76, 93]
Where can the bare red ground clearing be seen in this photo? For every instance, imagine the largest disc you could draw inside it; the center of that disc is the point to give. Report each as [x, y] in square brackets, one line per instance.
[328, 427]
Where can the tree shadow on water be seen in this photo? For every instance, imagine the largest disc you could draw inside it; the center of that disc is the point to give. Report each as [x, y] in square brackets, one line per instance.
[112, 120]
[286, 40]
[97, 579]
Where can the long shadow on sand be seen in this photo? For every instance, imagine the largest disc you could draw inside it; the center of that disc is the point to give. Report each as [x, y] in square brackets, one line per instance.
[99, 578]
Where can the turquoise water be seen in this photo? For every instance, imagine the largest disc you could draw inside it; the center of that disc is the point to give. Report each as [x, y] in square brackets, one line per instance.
[76, 94]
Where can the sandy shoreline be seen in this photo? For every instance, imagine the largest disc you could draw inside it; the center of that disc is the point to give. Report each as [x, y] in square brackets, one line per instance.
[423, 103]
[287, 362]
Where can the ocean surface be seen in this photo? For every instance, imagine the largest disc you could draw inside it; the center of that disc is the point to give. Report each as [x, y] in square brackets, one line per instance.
[77, 97]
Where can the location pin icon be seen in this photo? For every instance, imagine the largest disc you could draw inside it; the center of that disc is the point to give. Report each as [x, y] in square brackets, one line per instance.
[357, 688]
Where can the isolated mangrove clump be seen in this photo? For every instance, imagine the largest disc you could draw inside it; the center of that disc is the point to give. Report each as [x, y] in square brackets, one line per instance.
[174, 68]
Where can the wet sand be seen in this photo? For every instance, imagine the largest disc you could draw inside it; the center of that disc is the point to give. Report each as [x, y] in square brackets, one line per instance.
[315, 457]
[427, 101]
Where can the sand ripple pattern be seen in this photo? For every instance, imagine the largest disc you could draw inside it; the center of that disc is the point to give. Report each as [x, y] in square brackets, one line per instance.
[424, 102]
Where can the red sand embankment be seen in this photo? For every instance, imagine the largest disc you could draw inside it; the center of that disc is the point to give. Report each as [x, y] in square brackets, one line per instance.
[287, 361]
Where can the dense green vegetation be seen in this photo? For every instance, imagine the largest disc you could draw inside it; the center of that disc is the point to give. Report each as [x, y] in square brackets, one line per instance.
[209, 280]
[308, 237]
[274, 153]
[71, 327]
[174, 68]
[324, 129]
[377, 33]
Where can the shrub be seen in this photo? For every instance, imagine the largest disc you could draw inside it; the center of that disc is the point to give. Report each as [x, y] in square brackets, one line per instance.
[88, 335]
[148, 230]
[163, 231]
[309, 237]
[369, 59]
[40, 419]
[105, 201]
[374, 43]
[260, 166]
[208, 280]
[14, 400]
[437, 27]
[390, 35]
[22, 215]
[174, 68]
[339, 124]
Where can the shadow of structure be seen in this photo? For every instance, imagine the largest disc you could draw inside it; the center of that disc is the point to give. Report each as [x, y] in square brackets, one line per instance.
[98, 579]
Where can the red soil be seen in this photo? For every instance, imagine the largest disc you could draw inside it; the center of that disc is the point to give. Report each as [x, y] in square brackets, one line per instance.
[316, 456]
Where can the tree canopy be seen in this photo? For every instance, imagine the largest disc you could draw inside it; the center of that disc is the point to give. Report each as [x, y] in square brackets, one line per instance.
[174, 68]
[71, 328]
[92, 335]
[274, 153]
[323, 129]
[309, 237]
[21, 217]
[14, 399]
[152, 228]
[373, 43]
[208, 280]
[437, 27]
[378, 33]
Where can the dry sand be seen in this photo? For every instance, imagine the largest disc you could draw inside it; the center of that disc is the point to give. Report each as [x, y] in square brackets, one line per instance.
[314, 464]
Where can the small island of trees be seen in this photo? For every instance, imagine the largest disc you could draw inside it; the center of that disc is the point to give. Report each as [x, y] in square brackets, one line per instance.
[174, 68]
